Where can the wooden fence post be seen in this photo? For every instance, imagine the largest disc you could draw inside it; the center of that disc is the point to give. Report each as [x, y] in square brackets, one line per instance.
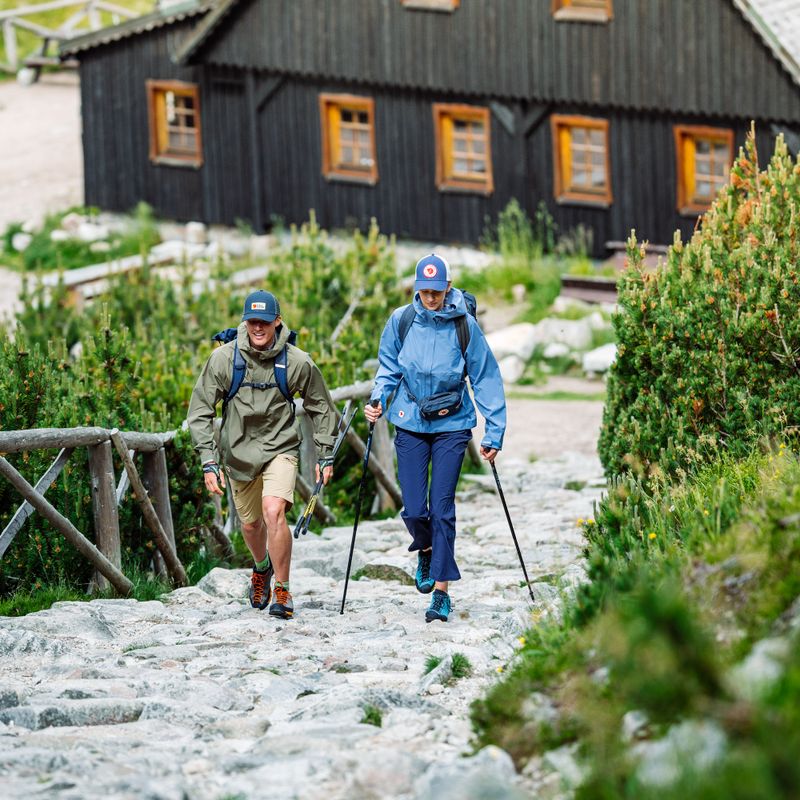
[104, 507]
[383, 452]
[64, 526]
[156, 481]
[174, 565]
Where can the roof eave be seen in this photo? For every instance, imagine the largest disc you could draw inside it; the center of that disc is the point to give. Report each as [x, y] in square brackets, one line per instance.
[204, 30]
[767, 35]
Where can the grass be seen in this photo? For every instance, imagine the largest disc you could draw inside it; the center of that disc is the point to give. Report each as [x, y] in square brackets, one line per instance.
[461, 666]
[431, 662]
[372, 716]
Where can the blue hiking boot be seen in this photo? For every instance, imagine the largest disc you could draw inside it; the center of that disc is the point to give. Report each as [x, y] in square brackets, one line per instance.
[423, 580]
[440, 607]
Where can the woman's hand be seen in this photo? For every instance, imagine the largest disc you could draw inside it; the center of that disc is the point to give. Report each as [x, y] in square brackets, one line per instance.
[373, 413]
[489, 453]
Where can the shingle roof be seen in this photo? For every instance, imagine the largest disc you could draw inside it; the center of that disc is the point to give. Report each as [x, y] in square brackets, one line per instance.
[777, 22]
[157, 19]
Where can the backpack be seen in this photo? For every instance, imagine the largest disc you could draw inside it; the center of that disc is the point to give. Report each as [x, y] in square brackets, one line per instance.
[239, 368]
[462, 327]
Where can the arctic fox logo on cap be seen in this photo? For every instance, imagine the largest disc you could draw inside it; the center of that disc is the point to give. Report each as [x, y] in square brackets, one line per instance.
[258, 306]
[429, 271]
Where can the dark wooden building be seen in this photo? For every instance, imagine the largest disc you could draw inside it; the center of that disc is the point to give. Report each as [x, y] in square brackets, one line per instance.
[430, 115]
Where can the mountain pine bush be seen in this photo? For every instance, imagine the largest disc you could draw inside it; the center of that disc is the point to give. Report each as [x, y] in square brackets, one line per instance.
[709, 342]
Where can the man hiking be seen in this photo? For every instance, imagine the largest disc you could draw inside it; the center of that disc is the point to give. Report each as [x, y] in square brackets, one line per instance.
[259, 442]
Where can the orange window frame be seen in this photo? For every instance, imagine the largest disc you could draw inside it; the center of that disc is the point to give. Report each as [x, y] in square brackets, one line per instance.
[583, 10]
[167, 115]
[562, 128]
[686, 138]
[340, 135]
[473, 146]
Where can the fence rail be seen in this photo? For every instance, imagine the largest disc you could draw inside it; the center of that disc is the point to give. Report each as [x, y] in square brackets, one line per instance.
[151, 488]
[86, 13]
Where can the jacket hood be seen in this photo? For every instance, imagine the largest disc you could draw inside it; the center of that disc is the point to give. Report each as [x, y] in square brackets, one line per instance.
[282, 336]
[454, 306]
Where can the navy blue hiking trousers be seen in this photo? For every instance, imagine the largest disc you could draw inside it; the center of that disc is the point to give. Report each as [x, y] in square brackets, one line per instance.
[429, 512]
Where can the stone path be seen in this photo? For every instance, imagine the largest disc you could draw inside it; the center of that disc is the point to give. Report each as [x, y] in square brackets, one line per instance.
[203, 697]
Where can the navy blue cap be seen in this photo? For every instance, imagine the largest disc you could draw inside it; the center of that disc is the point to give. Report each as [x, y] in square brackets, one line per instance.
[261, 305]
[433, 272]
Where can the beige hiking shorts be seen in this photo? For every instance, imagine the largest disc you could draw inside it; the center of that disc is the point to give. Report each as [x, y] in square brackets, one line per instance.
[277, 480]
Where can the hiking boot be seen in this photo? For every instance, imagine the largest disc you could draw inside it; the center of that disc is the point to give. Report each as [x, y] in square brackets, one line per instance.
[260, 587]
[440, 607]
[283, 606]
[423, 580]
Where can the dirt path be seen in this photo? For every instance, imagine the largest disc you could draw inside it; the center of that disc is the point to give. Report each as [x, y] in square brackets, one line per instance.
[41, 162]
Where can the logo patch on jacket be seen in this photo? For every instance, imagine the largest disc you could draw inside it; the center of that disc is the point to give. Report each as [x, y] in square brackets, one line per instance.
[444, 412]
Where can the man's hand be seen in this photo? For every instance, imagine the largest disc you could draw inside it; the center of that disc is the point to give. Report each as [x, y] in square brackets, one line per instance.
[373, 413]
[327, 472]
[213, 477]
[489, 453]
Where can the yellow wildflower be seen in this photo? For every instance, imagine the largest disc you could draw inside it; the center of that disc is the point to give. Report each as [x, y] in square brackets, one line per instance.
[651, 535]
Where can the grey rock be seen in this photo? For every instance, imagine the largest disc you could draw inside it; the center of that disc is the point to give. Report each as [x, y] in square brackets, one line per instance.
[753, 677]
[73, 712]
[564, 760]
[488, 775]
[690, 747]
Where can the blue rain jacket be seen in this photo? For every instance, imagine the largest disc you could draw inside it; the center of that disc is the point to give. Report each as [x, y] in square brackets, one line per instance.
[430, 361]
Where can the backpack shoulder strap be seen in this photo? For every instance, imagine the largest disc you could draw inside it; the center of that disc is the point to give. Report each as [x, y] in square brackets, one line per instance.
[282, 378]
[237, 377]
[462, 330]
[406, 321]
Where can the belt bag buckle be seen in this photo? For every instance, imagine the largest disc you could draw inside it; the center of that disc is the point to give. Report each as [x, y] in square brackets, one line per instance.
[440, 405]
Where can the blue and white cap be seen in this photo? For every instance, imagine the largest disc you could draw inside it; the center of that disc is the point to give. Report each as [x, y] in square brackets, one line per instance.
[261, 305]
[433, 272]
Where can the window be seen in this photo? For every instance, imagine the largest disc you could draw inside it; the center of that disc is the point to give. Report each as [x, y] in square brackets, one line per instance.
[348, 138]
[432, 5]
[174, 112]
[581, 160]
[463, 151]
[583, 10]
[704, 156]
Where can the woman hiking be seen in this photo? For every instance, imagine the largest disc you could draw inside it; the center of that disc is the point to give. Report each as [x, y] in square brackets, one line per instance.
[427, 350]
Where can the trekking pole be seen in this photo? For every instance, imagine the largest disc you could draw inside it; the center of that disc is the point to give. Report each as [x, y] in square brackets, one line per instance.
[358, 507]
[511, 526]
[303, 521]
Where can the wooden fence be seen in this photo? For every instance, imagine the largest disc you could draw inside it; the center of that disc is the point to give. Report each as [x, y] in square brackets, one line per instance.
[151, 487]
[85, 13]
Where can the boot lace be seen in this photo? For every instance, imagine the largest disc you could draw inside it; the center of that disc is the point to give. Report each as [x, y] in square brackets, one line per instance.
[259, 581]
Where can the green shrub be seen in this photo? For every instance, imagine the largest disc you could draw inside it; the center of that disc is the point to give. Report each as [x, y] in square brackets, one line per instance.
[708, 360]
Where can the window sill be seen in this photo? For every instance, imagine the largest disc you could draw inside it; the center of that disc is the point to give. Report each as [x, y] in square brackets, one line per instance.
[601, 203]
[464, 188]
[344, 177]
[581, 15]
[448, 6]
[693, 211]
[171, 161]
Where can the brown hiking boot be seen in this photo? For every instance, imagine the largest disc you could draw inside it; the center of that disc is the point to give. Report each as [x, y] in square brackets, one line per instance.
[283, 606]
[260, 587]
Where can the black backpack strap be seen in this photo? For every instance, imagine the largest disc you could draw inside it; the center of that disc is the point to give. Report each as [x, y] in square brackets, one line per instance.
[237, 377]
[406, 321]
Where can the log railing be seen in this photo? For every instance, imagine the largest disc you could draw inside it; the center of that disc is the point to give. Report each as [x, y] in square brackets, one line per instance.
[84, 12]
[151, 488]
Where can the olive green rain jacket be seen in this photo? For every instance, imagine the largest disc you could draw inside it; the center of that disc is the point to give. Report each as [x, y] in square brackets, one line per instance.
[258, 423]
